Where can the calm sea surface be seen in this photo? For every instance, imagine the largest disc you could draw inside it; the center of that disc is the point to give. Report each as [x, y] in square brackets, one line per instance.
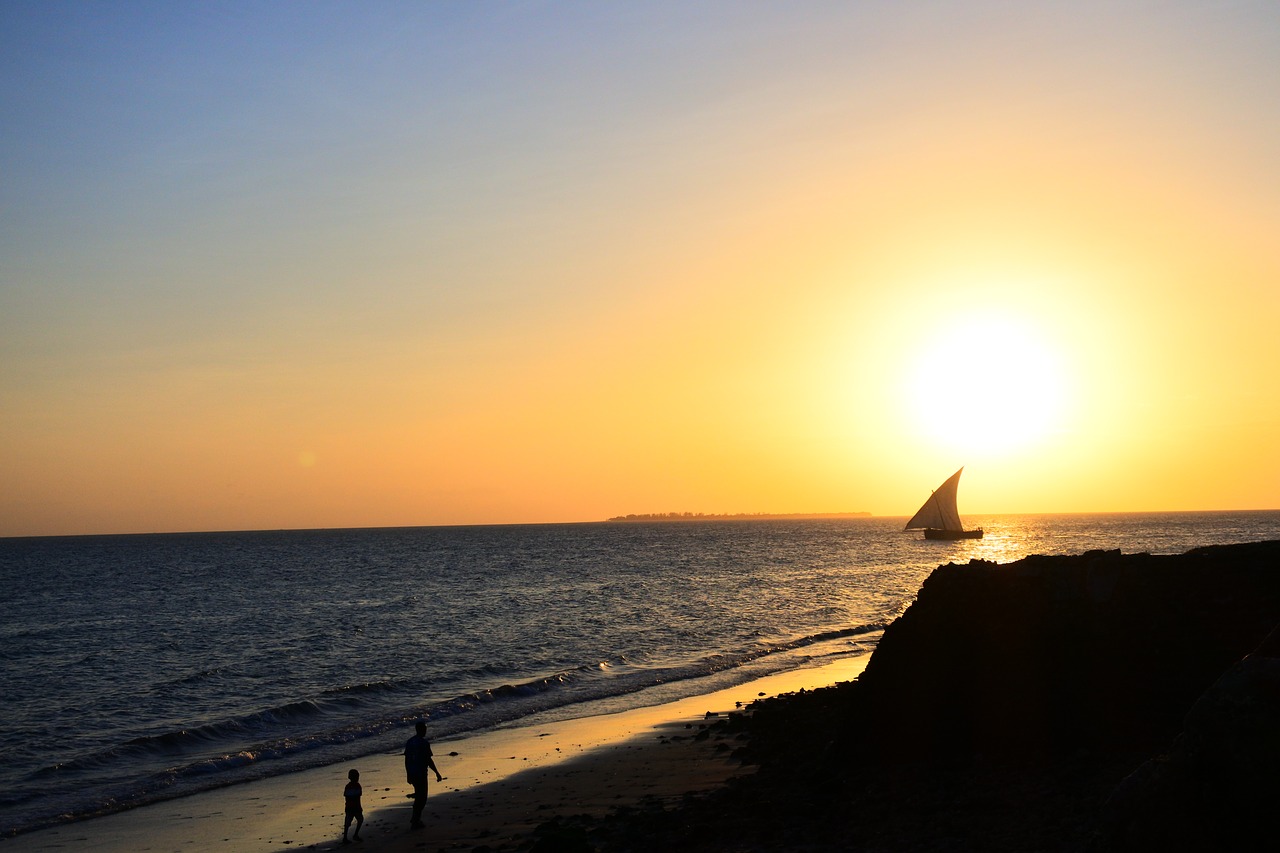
[138, 668]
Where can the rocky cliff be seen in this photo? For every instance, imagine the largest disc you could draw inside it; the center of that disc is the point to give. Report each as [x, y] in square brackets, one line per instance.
[1100, 703]
[1048, 655]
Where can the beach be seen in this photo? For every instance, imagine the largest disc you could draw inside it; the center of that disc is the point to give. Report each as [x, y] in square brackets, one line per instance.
[307, 649]
[1099, 702]
[499, 786]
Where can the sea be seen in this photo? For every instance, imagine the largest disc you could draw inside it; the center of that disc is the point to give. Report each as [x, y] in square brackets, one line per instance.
[146, 667]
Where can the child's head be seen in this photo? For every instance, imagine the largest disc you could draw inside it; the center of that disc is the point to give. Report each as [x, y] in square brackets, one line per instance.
[353, 774]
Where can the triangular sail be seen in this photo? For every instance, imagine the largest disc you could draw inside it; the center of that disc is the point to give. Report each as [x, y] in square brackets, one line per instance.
[939, 512]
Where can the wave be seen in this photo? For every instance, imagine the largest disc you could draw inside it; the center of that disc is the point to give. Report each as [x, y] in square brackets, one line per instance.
[185, 741]
[212, 673]
[294, 735]
[369, 687]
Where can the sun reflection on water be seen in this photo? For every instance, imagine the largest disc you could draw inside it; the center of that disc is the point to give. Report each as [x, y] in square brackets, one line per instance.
[1007, 538]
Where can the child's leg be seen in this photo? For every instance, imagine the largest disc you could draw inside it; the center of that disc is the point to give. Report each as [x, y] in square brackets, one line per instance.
[359, 823]
[347, 825]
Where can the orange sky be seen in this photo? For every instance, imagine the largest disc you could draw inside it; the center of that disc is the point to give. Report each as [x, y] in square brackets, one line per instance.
[439, 264]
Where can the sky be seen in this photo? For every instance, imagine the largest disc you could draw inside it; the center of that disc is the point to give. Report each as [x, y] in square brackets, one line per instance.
[299, 265]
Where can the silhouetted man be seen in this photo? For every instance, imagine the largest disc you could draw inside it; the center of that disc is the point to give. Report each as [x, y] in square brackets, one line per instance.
[417, 761]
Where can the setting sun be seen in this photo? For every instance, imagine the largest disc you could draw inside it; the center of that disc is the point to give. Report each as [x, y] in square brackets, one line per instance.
[985, 383]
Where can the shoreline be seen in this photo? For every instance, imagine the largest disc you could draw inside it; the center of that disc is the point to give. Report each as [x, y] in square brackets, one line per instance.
[1052, 702]
[499, 785]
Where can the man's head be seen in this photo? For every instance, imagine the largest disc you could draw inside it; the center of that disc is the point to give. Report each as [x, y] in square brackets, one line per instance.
[421, 727]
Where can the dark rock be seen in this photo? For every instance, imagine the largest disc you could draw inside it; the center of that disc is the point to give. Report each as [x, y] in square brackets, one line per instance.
[1217, 787]
[1006, 706]
[560, 836]
[1052, 654]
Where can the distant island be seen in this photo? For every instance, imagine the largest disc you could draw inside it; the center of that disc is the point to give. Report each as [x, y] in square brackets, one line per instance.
[740, 516]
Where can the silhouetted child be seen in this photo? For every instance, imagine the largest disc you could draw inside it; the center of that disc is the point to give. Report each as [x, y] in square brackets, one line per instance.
[352, 793]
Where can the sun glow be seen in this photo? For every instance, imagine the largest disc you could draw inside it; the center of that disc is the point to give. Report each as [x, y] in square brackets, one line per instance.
[986, 384]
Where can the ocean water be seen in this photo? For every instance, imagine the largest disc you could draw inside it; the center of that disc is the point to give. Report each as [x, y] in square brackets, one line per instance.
[139, 668]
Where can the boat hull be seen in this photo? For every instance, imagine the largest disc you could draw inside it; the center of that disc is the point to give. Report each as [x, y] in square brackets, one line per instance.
[936, 533]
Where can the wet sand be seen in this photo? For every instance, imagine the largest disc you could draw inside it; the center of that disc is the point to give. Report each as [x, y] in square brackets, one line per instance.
[499, 786]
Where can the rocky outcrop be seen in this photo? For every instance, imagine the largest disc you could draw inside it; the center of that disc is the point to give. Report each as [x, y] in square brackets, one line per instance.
[1049, 655]
[1217, 788]
[1006, 711]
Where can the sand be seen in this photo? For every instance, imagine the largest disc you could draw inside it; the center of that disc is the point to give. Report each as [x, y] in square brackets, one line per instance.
[499, 786]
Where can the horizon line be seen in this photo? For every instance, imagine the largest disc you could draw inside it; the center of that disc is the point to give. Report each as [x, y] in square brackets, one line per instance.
[817, 516]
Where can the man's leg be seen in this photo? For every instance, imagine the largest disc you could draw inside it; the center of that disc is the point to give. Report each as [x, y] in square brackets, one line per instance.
[419, 801]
